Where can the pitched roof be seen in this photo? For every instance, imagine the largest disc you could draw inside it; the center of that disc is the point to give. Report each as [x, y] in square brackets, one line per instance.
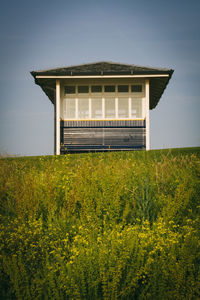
[101, 68]
[157, 84]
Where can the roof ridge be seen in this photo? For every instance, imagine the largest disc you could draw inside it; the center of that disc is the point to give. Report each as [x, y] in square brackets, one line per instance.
[101, 62]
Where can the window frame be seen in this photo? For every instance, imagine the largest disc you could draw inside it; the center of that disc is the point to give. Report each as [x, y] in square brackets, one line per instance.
[83, 86]
[69, 86]
[128, 96]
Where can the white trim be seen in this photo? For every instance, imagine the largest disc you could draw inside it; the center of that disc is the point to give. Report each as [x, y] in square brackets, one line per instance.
[76, 108]
[63, 110]
[147, 115]
[57, 119]
[129, 107]
[105, 76]
[116, 108]
[103, 108]
[143, 106]
[90, 108]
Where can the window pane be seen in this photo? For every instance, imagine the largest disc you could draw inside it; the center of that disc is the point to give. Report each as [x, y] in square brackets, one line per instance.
[83, 89]
[69, 111]
[96, 88]
[83, 108]
[123, 88]
[136, 88]
[97, 108]
[136, 107]
[123, 108]
[109, 88]
[70, 89]
[110, 108]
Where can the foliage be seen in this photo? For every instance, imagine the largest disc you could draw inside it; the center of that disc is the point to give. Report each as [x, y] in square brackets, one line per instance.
[101, 226]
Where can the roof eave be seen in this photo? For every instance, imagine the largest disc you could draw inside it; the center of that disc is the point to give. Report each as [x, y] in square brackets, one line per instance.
[100, 74]
[38, 76]
[153, 104]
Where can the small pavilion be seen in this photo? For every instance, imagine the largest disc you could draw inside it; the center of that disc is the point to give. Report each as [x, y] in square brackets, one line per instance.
[102, 106]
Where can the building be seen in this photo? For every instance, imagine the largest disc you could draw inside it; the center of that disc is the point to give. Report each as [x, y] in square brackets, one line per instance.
[102, 106]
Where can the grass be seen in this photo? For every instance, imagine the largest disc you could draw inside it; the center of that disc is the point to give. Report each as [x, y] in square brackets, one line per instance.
[101, 226]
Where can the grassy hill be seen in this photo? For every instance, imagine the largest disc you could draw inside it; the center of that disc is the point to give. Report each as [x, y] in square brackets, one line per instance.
[121, 225]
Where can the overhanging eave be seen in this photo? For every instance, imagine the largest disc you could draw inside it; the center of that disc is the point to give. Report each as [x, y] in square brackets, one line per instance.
[158, 77]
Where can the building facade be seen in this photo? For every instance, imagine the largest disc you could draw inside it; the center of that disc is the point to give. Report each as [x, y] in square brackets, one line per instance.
[102, 106]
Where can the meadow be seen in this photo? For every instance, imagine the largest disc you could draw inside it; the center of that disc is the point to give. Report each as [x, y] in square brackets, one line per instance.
[121, 225]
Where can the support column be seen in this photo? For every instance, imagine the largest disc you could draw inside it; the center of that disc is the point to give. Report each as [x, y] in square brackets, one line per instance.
[147, 114]
[57, 119]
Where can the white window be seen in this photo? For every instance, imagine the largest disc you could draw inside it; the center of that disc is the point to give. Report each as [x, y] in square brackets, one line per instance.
[69, 109]
[83, 108]
[96, 110]
[123, 88]
[123, 111]
[70, 89]
[96, 89]
[83, 89]
[103, 102]
[136, 108]
[136, 88]
[110, 108]
[109, 88]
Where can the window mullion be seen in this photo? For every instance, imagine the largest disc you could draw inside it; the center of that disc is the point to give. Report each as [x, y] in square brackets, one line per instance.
[76, 108]
[90, 108]
[116, 108]
[103, 108]
[129, 107]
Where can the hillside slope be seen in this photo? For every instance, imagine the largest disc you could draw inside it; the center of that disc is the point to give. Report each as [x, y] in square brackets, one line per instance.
[101, 226]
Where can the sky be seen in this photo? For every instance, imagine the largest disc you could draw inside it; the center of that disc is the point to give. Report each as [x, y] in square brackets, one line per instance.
[46, 34]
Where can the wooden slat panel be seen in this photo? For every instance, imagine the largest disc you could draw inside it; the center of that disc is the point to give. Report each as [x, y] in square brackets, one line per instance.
[105, 123]
[81, 136]
[104, 136]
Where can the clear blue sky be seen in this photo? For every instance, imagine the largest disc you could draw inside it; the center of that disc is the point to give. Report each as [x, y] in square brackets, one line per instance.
[44, 34]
